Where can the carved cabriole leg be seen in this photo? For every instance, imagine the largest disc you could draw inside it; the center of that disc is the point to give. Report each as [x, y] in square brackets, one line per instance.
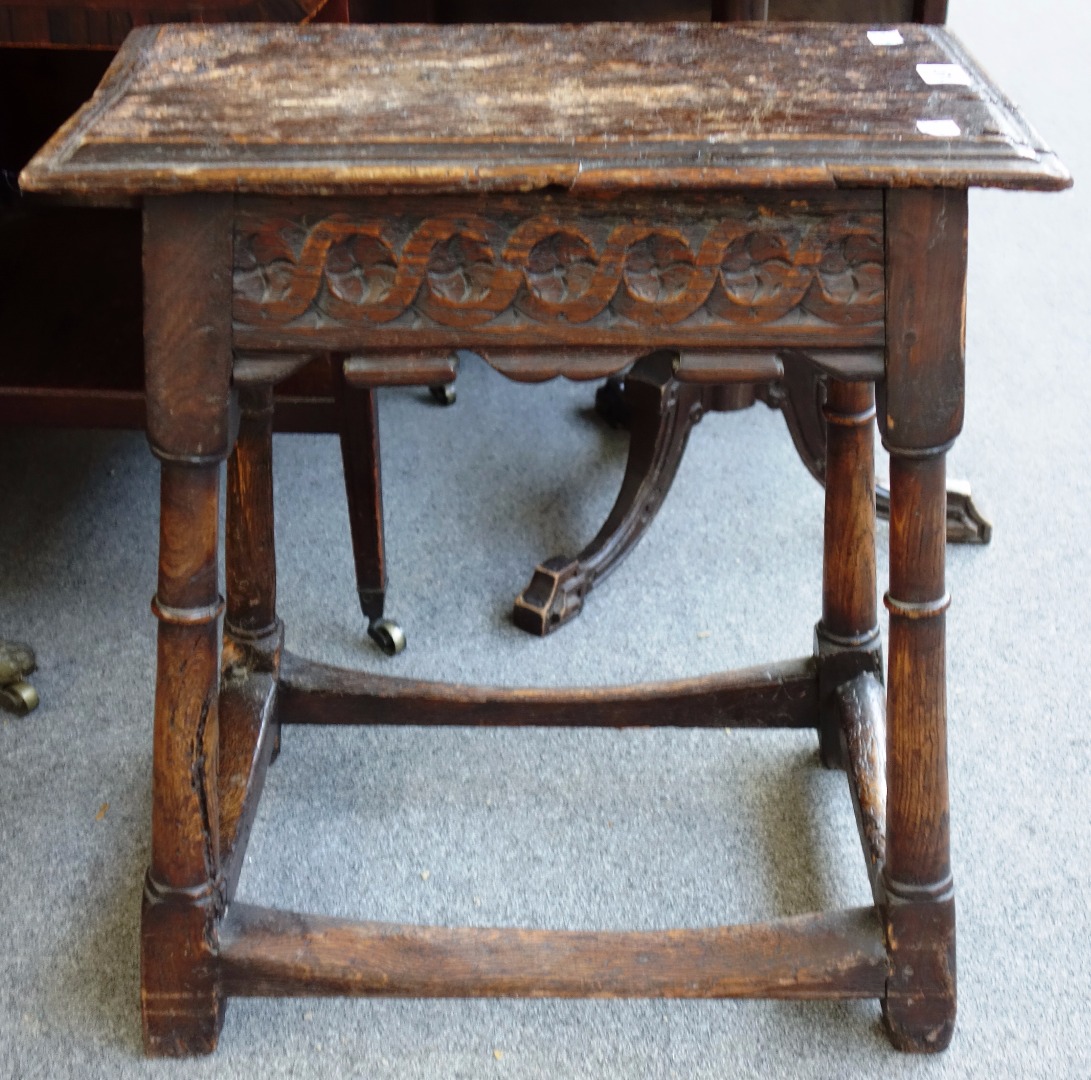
[922, 415]
[187, 261]
[847, 639]
[663, 411]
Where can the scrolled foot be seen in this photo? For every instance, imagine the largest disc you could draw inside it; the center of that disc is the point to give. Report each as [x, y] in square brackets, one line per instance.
[16, 663]
[443, 393]
[553, 597]
[388, 635]
[966, 524]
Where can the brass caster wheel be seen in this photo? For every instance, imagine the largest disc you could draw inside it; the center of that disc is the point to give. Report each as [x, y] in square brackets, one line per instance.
[16, 663]
[21, 698]
[442, 394]
[388, 635]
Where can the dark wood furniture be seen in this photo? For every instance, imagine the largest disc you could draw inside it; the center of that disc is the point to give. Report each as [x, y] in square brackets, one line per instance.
[81, 365]
[660, 412]
[414, 190]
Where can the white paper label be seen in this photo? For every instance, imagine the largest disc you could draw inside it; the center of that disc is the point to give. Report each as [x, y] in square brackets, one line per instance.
[944, 75]
[885, 37]
[941, 129]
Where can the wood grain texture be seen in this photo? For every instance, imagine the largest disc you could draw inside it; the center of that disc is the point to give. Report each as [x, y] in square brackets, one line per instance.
[557, 270]
[922, 414]
[920, 1003]
[185, 847]
[862, 705]
[329, 109]
[774, 695]
[248, 735]
[922, 397]
[181, 1006]
[267, 952]
[249, 544]
[187, 326]
[918, 844]
[847, 641]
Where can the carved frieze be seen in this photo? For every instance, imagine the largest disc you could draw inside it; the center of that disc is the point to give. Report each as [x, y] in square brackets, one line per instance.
[561, 270]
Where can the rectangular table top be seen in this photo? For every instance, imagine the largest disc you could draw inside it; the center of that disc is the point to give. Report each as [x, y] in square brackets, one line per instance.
[376, 109]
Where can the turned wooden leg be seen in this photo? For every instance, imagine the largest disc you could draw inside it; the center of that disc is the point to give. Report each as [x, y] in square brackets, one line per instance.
[799, 397]
[358, 424]
[249, 547]
[920, 1002]
[187, 267]
[252, 631]
[182, 1007]
[926, 244]
[847, 639]
[663, 411]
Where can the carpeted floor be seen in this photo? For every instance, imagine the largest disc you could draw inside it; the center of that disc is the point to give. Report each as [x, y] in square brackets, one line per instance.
[587, 829]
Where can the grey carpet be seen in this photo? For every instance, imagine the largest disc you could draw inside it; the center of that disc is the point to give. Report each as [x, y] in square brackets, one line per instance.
[586, 829]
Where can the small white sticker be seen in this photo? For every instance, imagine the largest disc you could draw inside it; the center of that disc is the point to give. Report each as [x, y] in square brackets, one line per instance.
[944, 75]
[941, 129]
[885, 37]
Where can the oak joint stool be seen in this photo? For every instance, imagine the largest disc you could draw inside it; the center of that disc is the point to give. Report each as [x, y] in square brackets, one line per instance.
[560, 200]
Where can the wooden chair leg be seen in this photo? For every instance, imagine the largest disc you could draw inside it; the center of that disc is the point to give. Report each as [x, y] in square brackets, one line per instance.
[180, 997]
[919, 1006]
[358, 425]
[249, 550]
[922, 416]
[187, 268]
[847, 641]
[663, 411]
[799, 397]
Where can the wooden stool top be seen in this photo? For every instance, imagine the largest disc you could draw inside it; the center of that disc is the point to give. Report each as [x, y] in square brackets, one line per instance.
[369, 110]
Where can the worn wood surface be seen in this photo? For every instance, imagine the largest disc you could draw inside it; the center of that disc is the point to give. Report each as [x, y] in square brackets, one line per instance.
[862, 703]
[556, 270]
[249, 552]
[187, 347]
[773, 695]
[406, 120]
[248, 735]
[329, 110]
[922, 400]
[835, 955]
[847, 637]
[188, 358]
[921, 417]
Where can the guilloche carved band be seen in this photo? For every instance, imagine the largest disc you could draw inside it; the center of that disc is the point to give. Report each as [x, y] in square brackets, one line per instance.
[560, 263]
